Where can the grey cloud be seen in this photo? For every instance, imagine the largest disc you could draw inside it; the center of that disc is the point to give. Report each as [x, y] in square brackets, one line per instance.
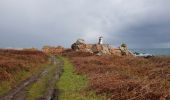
[140, 23]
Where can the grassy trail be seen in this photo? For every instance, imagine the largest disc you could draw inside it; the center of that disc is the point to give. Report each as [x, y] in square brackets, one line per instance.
[39, 88]
[72, 86]
[48, 86]
[45, 88]
[40, 85]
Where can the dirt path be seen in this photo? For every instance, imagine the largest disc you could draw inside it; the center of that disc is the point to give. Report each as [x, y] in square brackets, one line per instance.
[52, 93]
[20, 91]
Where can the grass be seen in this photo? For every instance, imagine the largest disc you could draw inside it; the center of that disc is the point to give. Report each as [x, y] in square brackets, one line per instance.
[18, 65]
[38, 89]
[73, 86]
[7, 85]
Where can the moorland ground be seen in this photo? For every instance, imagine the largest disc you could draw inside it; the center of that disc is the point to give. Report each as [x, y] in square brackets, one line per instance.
[121, 78]
[18, 65]
[34, 75]
[85, 76]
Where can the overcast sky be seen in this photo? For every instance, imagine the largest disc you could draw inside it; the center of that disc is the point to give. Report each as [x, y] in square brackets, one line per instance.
[34, 23]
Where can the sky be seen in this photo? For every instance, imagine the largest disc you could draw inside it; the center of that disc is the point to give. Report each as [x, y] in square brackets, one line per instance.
[35, 23]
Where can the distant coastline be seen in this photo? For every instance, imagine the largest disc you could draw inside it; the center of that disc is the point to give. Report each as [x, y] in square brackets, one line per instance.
[154, 51]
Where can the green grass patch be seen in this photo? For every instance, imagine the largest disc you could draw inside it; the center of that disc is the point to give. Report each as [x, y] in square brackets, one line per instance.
[73, 86]
[37, 90]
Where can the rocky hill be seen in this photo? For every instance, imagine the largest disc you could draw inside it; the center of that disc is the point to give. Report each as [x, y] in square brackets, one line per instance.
[100, 49]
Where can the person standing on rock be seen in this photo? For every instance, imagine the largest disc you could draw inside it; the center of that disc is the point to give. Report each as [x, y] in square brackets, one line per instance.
[100, 40]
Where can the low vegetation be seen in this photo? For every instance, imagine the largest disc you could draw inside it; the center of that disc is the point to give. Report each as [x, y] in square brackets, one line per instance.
[90, 77]
[121, 78]
[39, 88]
[73, 86]
[17, 65]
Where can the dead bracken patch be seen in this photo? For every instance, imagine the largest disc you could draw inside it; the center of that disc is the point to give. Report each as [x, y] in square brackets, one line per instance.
[14, 61]
[121, 78]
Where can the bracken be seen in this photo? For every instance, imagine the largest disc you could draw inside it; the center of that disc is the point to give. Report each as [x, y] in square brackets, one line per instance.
[121, 78]
[14, 61]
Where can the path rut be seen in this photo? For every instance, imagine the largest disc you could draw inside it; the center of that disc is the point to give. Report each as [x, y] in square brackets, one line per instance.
[20, 91]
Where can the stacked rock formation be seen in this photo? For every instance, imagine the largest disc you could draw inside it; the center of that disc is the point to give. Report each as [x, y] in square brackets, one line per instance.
[100, 49]
[124, 49]
[80, 45]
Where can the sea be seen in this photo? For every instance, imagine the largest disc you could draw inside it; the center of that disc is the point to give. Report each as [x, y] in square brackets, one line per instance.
[154, 51]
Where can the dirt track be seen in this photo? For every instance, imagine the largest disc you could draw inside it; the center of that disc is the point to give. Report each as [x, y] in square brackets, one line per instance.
[19, 92]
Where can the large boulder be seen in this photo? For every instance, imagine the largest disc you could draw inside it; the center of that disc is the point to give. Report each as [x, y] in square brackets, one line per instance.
[78, 45]
[124, 49]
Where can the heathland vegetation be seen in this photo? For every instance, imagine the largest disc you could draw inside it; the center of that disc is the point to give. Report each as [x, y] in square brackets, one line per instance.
[121, 77]
[18, 65]
[86, 76]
